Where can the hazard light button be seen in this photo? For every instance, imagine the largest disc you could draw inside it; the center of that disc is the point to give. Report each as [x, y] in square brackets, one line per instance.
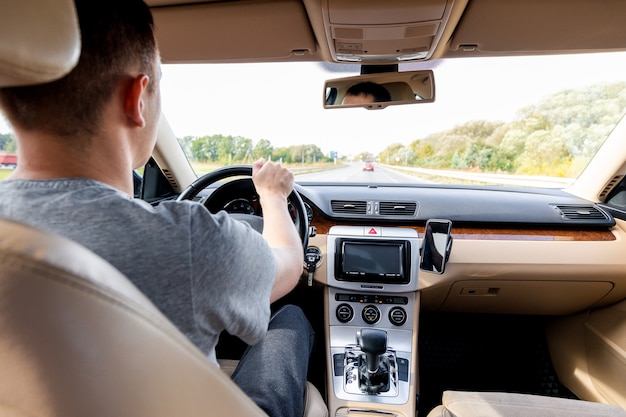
[373, 231]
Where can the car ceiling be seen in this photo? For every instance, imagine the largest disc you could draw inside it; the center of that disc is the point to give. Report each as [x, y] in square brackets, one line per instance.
[380, 30]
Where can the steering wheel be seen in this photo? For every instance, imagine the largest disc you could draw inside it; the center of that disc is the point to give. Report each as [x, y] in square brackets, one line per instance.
[301, 220]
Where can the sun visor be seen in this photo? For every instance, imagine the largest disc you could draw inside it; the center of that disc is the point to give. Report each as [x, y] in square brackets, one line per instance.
[234, 31]
[499, 27]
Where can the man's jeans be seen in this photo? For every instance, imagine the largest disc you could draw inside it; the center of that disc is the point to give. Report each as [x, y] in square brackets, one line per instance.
[273, 372]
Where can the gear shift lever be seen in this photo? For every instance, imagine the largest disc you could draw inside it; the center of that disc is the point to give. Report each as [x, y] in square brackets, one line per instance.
[374, 370]
[373, 343]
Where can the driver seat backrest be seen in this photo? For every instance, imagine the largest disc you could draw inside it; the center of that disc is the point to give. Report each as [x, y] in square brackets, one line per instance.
[77, 338]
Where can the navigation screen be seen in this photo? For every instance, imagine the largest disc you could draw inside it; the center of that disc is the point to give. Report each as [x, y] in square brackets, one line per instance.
[368, 261]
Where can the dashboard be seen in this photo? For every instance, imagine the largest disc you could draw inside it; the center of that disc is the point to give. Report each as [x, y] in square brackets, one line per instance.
[516, 250]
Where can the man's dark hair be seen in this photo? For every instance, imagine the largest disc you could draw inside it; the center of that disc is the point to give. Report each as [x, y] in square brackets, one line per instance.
[379, 92]
[116, 35]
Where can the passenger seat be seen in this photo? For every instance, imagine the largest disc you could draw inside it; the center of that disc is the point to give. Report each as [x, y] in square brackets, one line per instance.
[502, 404]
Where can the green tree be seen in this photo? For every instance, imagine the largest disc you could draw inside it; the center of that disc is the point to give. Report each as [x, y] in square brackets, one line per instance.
[227, 149]
[555, 136]
[282, 154]
[392, 153]
[7, 142]
[483, 157]
[423, 151]
[205, 148]
[583, 127]
[186, 145]
[544, 153]
[304, 154]
[243, 150]
[313, 154]
[263, 149]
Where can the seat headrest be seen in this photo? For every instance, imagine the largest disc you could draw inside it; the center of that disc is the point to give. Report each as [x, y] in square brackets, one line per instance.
[41, 41]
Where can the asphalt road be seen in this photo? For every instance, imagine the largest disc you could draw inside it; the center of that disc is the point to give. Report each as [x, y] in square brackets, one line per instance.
[353, 172]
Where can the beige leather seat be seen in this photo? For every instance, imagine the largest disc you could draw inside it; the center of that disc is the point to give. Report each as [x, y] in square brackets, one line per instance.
[78, 339]
[499, 404]
[41, 41]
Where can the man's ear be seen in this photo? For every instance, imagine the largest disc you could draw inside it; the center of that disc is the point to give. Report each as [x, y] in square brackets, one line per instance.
[133, 99]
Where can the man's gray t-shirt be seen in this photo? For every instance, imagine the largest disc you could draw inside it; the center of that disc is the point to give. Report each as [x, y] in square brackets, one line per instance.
[206, 272]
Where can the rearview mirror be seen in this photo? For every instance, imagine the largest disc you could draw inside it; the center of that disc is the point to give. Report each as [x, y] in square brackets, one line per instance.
[377, 91]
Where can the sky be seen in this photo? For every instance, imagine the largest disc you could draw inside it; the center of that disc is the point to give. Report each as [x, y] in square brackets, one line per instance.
[285, 107]
[291, 111]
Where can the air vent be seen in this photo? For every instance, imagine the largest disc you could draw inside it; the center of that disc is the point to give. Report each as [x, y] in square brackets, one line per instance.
[348, 207]
[170, 178]
[609, 187]
[397, 208]
[580, 212]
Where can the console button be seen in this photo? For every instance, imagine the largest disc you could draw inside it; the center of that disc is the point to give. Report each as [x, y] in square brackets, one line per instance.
[372, 299]
[344, 313]
[370, 314]
[338, 363]
[403, 369]
[397, 316]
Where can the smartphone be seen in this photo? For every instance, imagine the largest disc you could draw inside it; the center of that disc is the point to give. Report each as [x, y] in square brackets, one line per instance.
[436, 245]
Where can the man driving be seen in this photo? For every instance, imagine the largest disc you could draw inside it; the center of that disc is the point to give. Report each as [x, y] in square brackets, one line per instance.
[80, 138]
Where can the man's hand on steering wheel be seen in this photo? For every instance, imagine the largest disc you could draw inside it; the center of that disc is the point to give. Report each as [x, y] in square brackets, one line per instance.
[268, 172]
[271, 180]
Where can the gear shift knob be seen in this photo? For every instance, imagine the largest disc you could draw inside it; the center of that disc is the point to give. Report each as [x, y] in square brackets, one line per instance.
[373, 343]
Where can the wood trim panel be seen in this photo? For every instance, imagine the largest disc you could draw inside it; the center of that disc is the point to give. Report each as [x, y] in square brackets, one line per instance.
[323, 226]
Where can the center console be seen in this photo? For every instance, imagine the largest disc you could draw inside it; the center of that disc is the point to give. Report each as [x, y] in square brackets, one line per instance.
[372, 307]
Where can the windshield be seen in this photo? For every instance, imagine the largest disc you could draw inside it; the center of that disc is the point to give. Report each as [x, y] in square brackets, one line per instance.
[527, 121]
[534, 121]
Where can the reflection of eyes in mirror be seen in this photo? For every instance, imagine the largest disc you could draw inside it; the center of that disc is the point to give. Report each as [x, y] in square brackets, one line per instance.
[366, 92]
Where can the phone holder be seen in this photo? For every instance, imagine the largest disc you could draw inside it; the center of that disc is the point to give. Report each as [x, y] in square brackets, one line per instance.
[436, 245]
